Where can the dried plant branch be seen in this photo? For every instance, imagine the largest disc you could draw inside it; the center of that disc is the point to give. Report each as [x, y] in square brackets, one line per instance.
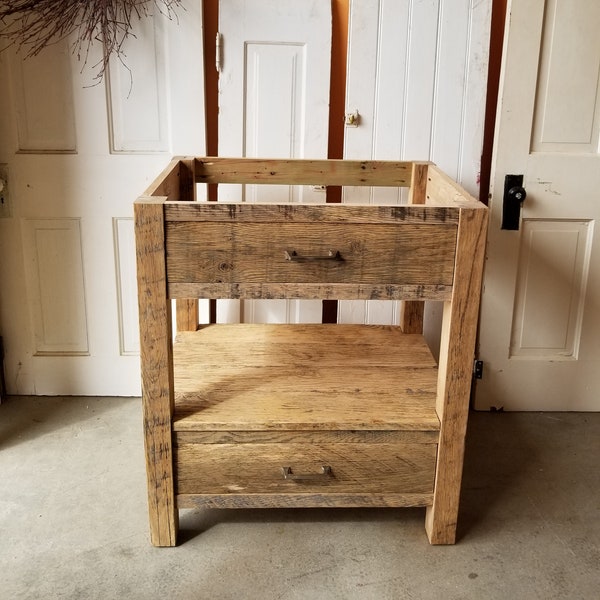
[31, 25]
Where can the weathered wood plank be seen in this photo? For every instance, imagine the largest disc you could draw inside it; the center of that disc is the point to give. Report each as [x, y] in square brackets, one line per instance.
[414, 254]
[418, 188]
[187, 179]
[315, 291]
[187, 308]
[257, 468]
[444, 191]
[300, 500]
[250, 212]
[186, 315]
[167, 183]
[305, 437]
[303, 171]
[304, 378]
[411, 311]
[457, 352]
[157, 372]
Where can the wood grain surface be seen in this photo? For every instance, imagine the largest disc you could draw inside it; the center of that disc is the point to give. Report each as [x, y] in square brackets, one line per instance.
[303, 171]
[257, 468]
[303, 377]
[228, 406]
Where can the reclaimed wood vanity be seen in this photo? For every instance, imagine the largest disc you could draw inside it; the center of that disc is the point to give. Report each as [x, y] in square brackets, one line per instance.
[306, 415]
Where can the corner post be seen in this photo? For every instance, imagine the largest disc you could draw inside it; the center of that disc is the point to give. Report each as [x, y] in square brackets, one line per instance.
[457, 351]
[156, 353]
[411, 311]
[186, 314]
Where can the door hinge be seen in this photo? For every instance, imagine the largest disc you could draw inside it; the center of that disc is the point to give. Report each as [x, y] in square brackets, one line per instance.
[218, 52]
[2, 381]
[478, 369]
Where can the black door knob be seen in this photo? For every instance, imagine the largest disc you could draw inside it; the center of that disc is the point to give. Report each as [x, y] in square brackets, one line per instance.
[517, 193]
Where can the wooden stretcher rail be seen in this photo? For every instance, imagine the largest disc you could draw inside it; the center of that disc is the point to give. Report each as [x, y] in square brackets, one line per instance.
[288, 500]
[441, 190]
[309, 213]
[303, 172]
[307, 291]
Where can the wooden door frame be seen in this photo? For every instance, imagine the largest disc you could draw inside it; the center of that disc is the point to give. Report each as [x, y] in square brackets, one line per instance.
[491, 105]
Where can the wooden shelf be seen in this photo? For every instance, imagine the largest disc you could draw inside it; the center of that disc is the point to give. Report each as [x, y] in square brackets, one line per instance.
[247, 377]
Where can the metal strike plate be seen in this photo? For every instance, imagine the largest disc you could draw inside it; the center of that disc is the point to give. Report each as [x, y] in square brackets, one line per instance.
[514, 195]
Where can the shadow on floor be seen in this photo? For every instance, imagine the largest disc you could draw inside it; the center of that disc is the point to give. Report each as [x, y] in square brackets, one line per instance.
[23, 418]
[499, 455]
[194, 522]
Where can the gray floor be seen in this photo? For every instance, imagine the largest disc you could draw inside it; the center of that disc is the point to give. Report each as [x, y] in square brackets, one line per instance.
[73, 520]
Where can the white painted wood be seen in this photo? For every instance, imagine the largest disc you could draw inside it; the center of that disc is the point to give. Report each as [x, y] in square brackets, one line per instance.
[48, 125]
[124, 250]
[551, 286]
[142, 80]
[540, 321]
[273, 103]
[95, 189]
[55, 286]
[417, 75]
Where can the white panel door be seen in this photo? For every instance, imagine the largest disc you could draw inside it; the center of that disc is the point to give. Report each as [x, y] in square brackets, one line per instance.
[274, 103]
[417, 77]
[77, 154]
[540, 320]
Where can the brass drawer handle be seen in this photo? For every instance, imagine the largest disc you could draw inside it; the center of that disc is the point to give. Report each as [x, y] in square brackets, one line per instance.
[324, 474]
[293, 256]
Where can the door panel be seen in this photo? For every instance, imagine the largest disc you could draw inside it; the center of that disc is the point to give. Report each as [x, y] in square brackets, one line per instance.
[142, 81]
[54, 267]
[78, 154]
[552, 277]
[273, 103]
[540, 318]
[47, 126]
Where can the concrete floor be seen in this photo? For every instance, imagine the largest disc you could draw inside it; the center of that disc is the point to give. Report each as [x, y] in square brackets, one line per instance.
[73, 520]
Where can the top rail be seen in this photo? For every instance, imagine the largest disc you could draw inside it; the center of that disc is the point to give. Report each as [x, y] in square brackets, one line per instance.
[427, 184]
[304, 172]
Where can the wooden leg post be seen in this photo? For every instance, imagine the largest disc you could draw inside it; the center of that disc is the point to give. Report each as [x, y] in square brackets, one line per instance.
[157, 373]
[411, 311]
[457, 351]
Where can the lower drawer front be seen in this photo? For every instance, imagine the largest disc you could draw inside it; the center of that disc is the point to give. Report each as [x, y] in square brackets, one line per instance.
[297, 468]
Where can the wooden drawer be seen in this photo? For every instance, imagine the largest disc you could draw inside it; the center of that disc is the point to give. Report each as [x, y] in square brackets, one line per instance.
[367, 253]
[355, 468]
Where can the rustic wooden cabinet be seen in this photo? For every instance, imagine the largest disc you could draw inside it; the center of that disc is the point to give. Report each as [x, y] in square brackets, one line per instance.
[292, 415]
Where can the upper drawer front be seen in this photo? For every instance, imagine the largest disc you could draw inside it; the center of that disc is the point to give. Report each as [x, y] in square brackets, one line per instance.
[296, 253]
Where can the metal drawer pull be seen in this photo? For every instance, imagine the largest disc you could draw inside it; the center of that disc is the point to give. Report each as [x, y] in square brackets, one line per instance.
[325, 473]
[293, 256]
